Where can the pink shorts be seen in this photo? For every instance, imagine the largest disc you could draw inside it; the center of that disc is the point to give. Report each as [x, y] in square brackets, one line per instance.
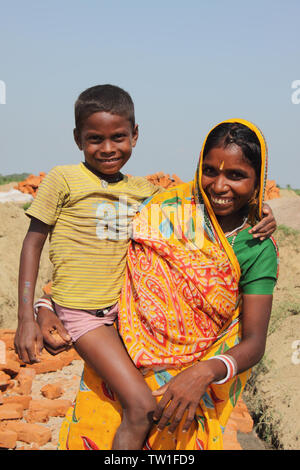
[78, 322]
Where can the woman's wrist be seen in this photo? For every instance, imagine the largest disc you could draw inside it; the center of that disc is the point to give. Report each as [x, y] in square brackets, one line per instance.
[211, 371]
[218, 369]
[230, 364]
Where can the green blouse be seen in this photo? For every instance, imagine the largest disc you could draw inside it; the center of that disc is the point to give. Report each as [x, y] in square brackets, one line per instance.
[258, 262]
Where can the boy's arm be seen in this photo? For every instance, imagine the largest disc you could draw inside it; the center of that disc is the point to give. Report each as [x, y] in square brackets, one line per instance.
[28, 338]
[266, 226]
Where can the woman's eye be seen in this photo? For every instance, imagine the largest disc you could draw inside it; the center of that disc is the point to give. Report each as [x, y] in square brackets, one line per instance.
[208, 171]
[235, 175]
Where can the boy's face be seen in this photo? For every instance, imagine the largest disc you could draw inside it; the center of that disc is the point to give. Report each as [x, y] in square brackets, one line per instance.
[106, 141]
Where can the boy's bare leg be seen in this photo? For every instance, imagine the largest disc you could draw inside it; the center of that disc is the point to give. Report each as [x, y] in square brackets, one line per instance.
[103, 350]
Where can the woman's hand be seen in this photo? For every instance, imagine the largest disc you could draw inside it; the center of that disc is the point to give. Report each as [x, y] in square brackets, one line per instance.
[183, 393]
[28, 341]
[56, 338]
[266, 226]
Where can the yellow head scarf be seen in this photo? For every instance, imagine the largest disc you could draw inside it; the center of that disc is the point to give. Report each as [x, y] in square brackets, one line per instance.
[201, 197]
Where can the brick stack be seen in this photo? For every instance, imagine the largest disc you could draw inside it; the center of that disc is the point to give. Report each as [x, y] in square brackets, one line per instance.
[271, 190]
[24, 418]
[30, 184]
[164, 180]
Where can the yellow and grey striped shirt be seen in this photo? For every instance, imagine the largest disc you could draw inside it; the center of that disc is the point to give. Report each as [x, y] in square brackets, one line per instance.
[90, 232]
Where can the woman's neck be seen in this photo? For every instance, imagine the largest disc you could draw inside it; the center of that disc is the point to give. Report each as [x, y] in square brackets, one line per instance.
[230, 222]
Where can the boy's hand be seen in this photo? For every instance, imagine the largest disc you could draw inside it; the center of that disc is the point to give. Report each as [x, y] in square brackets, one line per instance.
[28, 341]
[56, 339]
[266, 226]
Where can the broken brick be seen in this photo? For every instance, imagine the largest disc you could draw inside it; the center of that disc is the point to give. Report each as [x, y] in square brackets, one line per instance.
[57, 407]
[11, 411]
[37, 416]
[28, 432]
[8, 439]
[23, 400]
[47, 365]
[10, 367]
[52, 391]
[4, 381]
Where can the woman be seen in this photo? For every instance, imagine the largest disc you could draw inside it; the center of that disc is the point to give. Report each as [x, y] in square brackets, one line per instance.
[180, 309]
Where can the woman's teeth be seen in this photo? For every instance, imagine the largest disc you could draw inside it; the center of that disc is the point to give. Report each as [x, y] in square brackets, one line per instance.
[220, 201]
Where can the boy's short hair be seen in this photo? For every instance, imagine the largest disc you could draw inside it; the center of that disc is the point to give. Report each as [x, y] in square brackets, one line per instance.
[103, 98]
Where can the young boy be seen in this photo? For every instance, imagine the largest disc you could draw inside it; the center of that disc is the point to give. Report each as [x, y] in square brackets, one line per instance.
[87, 209]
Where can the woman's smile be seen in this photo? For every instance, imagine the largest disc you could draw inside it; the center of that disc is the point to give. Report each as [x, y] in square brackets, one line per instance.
[221, 200]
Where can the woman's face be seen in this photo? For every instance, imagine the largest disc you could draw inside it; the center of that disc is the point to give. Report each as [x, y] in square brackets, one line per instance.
[228, 179]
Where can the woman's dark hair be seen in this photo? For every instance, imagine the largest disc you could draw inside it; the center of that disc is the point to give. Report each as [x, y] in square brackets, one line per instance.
[229, 133]
[104, 98]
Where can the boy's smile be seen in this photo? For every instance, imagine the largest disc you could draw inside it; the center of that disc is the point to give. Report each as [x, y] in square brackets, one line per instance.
[106, 140]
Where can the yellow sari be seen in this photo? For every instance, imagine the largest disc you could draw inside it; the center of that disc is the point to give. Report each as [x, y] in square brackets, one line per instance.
[179, 304]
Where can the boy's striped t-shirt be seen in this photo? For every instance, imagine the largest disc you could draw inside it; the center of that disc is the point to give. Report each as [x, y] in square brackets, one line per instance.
[90, 232]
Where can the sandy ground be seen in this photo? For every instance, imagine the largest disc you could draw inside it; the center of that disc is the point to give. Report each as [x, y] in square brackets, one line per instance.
[276, 391]
[13, 228]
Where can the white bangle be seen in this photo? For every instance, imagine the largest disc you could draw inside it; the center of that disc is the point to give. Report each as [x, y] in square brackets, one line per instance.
[230, 364]
[42, 303]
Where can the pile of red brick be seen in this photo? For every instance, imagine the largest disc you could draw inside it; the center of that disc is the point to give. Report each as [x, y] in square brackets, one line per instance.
[31, 184]
[23, 418]
[164, 180]
[271, 190]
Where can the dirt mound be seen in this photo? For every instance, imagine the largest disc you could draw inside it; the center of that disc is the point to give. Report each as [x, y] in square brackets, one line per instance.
[12, 232]
[273, 395]
[286, 210]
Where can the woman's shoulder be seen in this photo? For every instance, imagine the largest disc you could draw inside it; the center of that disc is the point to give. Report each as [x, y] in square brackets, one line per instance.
[258, 259]
[252, 250]
[246, 240]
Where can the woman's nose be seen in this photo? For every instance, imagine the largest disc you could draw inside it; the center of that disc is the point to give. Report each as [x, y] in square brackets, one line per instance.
[220, 184]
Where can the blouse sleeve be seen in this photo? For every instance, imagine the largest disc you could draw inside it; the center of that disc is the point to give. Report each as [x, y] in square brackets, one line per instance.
[260, 271]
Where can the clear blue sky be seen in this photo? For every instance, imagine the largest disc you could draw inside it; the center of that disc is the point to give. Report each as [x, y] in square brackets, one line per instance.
[187, 65]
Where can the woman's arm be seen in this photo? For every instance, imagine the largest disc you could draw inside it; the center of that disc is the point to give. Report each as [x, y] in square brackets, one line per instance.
[28, 338]
[184, 391]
